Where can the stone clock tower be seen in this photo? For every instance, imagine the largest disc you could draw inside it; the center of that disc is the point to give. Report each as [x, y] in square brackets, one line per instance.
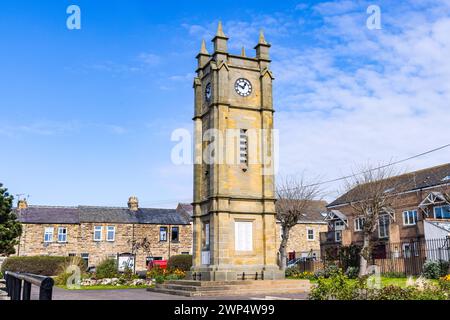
[234, 201]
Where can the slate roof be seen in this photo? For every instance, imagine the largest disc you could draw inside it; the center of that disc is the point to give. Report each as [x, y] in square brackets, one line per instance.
[84, 214]
[417, 180]
[315, 213]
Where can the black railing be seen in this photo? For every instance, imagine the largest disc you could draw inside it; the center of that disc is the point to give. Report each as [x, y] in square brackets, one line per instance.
[18, 286]
[406, 257]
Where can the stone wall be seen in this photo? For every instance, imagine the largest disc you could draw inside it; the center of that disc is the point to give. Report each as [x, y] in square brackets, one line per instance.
[80, 240]
[298, 240]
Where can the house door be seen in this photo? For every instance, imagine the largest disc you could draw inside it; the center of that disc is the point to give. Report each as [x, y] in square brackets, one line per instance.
[291, 255]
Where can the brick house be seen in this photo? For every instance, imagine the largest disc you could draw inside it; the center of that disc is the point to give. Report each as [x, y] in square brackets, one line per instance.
[95, 233]
[304, 239]
[421, 212]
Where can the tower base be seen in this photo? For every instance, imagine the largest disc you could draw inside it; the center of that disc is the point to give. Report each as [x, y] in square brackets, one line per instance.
[189, 288]
[212, 273]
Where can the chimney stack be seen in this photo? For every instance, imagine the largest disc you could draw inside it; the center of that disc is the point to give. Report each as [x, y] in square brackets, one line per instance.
[22, 204]
[133, 203]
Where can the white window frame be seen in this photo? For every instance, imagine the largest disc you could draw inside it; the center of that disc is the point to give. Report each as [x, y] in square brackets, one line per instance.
[409, 218]
[336, 233]
[207, 234]
[438, 207]
[339, 223]
[113, 230]
[48, 231]
[386, 235]
[313, 234]
[359, 224]
[243, 236]
[60, 233]
[96, 229]
[166, 234]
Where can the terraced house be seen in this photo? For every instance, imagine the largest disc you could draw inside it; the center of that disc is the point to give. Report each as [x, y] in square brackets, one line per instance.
[96, 233]
[421, 216]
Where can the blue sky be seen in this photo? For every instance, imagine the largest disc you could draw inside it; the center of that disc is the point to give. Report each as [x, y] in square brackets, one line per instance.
[86, 115]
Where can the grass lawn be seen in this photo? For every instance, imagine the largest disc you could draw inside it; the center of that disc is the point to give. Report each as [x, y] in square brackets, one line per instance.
[105, 287]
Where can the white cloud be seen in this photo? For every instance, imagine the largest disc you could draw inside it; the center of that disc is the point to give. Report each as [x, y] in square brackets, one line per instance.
[150, 59]
[353, 95]
[376, 96]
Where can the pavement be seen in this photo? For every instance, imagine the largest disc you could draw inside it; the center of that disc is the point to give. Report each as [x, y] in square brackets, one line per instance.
[143, 294]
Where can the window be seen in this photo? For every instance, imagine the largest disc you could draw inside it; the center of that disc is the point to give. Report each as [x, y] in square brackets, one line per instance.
[48, 234]
[410, 249]
[163, 234]
[383, 226]
[310, 234]
[206, 235]
[410, 218]
[338, 236]
[243, 147]
[175, 234]
[85, 257]
[442, 212]
[72, 254]
[98, 230]
[339, 225]
[110, 233]
[62, 234]
[243, 236]
[359, 223]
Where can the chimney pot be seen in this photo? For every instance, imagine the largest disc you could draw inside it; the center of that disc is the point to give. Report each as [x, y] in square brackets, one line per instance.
[133, 203]
[22, 204]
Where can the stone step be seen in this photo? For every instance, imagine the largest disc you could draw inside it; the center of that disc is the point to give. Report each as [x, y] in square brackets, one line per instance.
[231, 287]
[212, 293]
[262, 283]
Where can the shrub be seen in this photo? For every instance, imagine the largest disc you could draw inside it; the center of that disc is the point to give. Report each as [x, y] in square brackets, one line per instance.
[327, 272]
[66, 270]
[183, 262]
[444, 283]
[337, 287]
[352, 272]
[445, 267]
[156, 271]
[394, 274]
[106, 269]
[40, 265]
[349, 256]
[295, 273]
[432, 269]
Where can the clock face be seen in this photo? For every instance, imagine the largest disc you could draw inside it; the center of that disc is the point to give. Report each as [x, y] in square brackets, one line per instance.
[243, 87]
[208, 92]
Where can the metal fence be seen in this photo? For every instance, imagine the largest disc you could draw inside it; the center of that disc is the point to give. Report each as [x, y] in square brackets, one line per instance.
[406, 257]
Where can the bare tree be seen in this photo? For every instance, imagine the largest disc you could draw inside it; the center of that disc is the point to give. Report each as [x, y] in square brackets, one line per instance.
[294, 198]
[371, 193]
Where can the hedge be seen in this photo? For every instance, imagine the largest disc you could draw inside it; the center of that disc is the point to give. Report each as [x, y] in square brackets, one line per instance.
[183, 262]
[41, 265]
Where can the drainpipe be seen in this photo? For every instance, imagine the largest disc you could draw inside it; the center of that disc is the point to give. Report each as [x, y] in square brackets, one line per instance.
[169, 234]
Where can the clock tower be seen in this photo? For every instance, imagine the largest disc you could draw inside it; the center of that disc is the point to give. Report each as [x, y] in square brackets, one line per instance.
[234, 198]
